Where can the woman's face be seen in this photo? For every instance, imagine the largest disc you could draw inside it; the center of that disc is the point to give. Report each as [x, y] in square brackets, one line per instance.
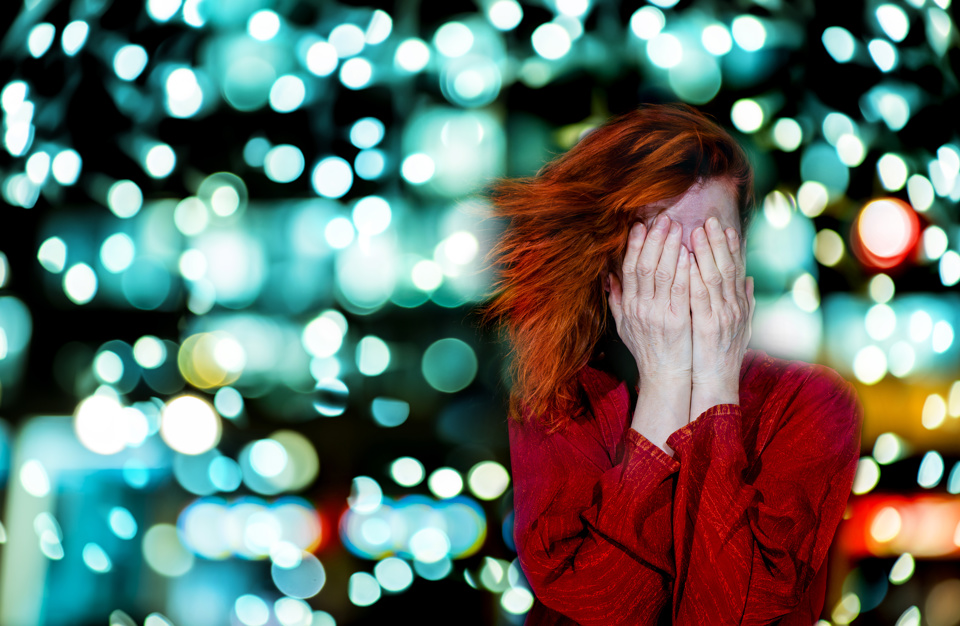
[715, 198]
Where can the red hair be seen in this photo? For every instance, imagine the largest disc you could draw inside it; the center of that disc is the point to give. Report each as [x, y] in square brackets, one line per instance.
[567, 229]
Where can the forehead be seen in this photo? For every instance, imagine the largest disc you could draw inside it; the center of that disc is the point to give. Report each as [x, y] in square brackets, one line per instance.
[714, 198]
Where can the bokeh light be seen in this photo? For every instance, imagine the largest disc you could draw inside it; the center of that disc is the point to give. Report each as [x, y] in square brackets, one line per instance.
[280, 217]
[189, 425]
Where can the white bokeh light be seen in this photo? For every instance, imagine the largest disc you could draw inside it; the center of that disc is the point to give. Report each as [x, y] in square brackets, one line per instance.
[647, 22]
[322, 58]
[40, 38]
[332, 177]
[884, 54]
[488, 480]
[749, 33]
[287, 94]
[80, 283]
[892, 171]
[551, 41]
[348, 39]
[412, 55]
[716, 39]
[407, 471]
[665, 50]
[117, 252]
[189, 425]
[160, 161]
[445, 482]
[100, 425]
[747, 115]
[264, 25]
[453, 39]
[162, 10]
[371, 215]
[74, 36]
[870, 365]
[356, 73]
[66, 166]
[788, 134]
[130, 61]
[505, 14]
[893, 20]
[417, 168]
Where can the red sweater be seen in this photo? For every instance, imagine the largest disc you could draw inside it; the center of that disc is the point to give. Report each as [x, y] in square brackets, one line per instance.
[732, 530]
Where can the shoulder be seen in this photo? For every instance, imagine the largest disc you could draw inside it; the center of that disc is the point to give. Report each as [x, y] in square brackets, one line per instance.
[588, 434]
[808, 399]
[797, 377]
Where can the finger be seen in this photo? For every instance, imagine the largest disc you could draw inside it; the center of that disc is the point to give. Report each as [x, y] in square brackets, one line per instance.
[731, 241]
[753, 306]
[650, 257]
[699, 296]
[709, 273]
[723, 259]
[680, 294]
[629, 271]
[667, 267]
[734, 244]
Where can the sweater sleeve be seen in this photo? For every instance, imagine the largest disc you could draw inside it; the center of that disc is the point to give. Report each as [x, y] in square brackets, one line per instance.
[593, 533]
[750, 539]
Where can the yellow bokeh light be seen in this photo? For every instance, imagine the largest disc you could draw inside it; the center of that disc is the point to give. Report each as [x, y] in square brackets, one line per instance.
[214, 359]
[868, 474]
[847, 609]
[828, 247]
[934, 411]
[886, 524]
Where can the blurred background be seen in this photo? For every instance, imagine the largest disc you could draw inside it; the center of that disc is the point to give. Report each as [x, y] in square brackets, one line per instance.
[242, 242]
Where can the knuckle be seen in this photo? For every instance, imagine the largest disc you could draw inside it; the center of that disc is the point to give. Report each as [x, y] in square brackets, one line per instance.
[663, 275]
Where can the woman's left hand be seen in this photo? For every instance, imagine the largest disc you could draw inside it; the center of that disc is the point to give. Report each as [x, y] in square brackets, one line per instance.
[721, 305]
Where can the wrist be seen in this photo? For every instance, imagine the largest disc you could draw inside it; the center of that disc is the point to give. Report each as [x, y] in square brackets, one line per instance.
[660, 411]
[704, 397]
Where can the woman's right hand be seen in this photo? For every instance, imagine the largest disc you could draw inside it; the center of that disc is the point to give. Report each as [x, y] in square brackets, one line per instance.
[652, 305]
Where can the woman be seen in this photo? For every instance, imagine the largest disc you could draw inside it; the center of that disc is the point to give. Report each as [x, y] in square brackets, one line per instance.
[708, 489]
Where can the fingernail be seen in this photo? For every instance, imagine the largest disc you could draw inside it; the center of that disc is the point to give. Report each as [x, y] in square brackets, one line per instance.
[674, 228]
[732, 235]
[713, 223]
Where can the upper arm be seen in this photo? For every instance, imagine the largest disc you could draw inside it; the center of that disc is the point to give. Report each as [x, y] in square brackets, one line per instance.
[806, 473]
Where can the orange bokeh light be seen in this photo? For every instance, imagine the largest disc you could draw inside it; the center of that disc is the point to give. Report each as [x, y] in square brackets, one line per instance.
[884, 233]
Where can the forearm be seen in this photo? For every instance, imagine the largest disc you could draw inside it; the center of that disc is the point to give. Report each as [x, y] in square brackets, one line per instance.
[661, 409]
